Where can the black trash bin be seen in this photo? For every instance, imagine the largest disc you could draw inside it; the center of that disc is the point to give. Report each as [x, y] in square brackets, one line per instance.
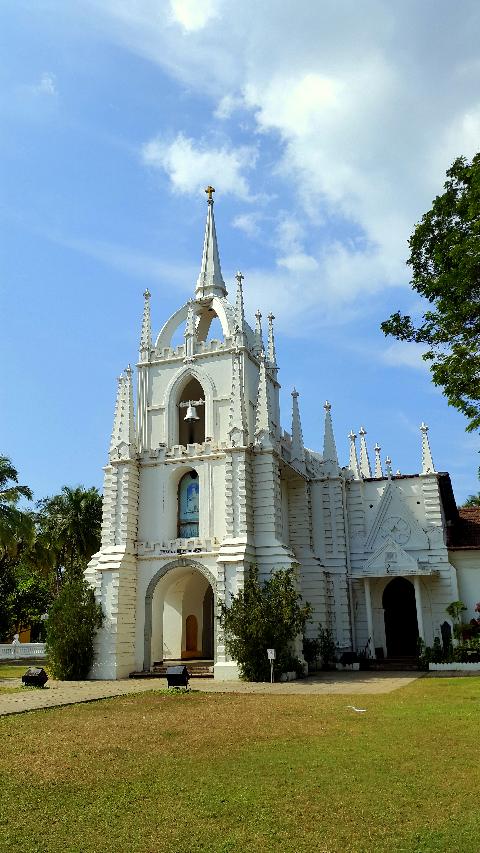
[177, 676]
[35, 677]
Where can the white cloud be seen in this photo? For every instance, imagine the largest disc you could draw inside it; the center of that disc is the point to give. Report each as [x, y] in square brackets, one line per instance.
[228, 105]
[298, 262]
[191, 165]
[367, 105]
[248, 223]
[129, 261]
[47, 85]
[404, 354]
[193, 14]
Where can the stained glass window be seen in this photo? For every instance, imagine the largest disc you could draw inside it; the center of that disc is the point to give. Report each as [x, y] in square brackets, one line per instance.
[188, 506]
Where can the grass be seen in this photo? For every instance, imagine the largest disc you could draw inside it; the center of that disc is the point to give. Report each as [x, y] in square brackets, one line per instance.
[16, 670]
[198, 772]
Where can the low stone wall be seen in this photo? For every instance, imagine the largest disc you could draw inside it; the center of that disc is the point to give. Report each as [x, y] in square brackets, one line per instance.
[17, 651]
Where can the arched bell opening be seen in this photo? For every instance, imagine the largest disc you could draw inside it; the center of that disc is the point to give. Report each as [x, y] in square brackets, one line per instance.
[179, 623]
[191, 413]
[209, 326]
[400, 614]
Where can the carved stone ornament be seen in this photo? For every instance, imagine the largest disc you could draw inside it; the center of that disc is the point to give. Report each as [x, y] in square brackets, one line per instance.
[397, 528]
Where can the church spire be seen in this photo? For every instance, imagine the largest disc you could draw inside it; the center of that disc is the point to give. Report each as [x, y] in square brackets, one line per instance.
[329, 449]
[210, 281]
[239, 309]
[353, 460]
[238, 421]
[271, 354]
[262, 415]
[378, 461]
[365, 469]
[146, 334]
[258, 331]
[123, 442]
[427, 461]
[298, 449]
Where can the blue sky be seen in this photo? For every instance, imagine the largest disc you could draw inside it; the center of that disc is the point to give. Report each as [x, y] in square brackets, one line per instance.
[326, 128]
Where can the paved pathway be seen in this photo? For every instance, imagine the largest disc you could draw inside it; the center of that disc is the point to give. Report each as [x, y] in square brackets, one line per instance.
[70, 692]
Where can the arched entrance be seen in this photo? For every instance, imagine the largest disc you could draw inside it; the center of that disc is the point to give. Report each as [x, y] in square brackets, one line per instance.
[400, 614]
[179, 607]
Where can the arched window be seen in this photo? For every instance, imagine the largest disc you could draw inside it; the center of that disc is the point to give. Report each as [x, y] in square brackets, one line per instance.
[188, 506]
[191, 431]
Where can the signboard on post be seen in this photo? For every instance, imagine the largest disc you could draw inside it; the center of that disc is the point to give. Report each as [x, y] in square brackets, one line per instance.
[271, 654]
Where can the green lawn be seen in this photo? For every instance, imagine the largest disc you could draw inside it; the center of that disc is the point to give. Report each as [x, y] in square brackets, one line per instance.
[16, 670]
[156, 772]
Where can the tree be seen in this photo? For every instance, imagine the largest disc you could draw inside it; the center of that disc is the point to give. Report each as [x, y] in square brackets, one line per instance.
[262, 616]
[70, 525]
[472, 500]
[445, 263]
[16, 534]
[16, 526]
[72, 622]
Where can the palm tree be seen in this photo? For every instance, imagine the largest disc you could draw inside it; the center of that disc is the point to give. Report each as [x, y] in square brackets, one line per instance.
[70, 523]
[16, 526]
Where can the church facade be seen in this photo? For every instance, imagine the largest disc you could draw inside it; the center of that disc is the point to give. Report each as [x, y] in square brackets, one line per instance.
[203, 482]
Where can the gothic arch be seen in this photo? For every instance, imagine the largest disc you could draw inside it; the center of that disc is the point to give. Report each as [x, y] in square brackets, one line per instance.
[172, 391]
[182, 562]
[167, 332]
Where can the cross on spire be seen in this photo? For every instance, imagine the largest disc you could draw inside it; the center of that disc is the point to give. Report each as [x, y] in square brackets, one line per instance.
[210, 281]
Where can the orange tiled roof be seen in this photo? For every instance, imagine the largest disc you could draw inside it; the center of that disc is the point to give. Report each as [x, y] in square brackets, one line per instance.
[465, 533]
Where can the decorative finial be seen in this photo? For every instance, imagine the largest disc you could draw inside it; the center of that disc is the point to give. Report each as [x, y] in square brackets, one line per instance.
[327, 406]
[427, 461]
[258, 314]
[295, 393]
[271, 354]
[388, 466]
[362, 431]
[378, 461]
[353, 459]
[147, 293]
[239, 276]
[128, 371]
[210, 190]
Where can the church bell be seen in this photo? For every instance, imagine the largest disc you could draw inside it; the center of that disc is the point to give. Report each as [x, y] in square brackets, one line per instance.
[191, 414]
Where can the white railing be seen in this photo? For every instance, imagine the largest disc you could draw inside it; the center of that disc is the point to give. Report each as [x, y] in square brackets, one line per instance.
[15, 651]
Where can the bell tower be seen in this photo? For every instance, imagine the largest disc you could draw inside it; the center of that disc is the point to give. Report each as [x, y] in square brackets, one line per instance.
[202, 477]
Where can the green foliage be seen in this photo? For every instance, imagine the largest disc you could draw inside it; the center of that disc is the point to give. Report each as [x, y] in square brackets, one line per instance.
[72, 622]
[445, 263]
[467, 651]
[455, 610]
[472, 500]
[311, 649]
[16, 526]
[432, 654]
[327, 647]
[69, 526]
[39, 550]
[262, 616]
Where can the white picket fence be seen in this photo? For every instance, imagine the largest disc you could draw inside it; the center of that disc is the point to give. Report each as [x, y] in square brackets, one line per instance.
[16, 651]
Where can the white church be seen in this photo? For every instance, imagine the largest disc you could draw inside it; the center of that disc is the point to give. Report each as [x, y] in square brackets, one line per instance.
[203, 481]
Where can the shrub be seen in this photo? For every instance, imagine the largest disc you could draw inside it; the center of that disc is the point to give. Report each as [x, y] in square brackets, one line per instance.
[262, 616]
[72, 622]
[328, 651]
[311, 649]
